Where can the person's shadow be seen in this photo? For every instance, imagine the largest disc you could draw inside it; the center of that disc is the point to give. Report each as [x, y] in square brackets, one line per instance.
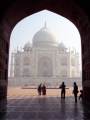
[63, 109]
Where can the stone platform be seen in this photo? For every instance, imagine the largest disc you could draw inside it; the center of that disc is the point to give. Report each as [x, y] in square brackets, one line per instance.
[46, 108]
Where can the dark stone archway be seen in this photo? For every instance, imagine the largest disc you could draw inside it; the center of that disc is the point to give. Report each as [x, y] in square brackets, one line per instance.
[21, 9]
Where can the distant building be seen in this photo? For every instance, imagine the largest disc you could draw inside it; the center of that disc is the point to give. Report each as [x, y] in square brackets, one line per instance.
[44, 60]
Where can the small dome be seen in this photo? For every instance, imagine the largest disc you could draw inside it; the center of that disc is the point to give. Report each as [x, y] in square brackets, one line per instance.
[27, 46]
[44, 38]
[62, 47]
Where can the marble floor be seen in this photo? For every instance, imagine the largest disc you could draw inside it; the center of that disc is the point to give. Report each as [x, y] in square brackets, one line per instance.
[46, 108]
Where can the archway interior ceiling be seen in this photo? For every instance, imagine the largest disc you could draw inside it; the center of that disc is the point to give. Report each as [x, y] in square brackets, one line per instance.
[19, 11]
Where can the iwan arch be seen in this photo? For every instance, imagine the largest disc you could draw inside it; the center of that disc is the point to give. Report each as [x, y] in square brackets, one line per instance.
[19, 10]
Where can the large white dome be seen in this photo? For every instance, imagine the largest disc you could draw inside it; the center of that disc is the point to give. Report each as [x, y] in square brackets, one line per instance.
[44, 38]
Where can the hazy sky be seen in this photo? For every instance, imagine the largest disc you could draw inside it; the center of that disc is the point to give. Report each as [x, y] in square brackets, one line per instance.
[64, 30]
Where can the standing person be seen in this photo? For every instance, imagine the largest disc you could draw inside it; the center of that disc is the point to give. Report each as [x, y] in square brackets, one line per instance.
[44, 89]
[63, 91]
[81, 95]
[39, 89]
[75, 91]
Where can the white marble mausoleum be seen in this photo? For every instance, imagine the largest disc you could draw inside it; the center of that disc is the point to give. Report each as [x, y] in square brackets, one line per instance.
[45, 60]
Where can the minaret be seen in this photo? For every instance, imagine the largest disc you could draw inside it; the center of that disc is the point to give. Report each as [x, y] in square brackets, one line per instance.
[12, 65]
[45, 25]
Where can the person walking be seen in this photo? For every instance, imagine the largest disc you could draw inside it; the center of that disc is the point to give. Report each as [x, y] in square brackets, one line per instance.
[39, 89]
[43, 90]
[63, 91]
[75, 91]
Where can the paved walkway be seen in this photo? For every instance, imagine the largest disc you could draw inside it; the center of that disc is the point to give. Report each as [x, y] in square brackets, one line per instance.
[46, 108]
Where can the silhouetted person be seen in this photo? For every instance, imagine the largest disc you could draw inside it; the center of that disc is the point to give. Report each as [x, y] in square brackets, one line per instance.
[75, 91]
[39, 89]
[81, 94]
[63, 91]
[43, 90]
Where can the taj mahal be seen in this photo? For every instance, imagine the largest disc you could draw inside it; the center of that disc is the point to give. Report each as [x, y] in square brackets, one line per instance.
[44, 61]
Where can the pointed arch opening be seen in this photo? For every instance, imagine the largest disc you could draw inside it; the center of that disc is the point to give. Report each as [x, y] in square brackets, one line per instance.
[51, 36]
